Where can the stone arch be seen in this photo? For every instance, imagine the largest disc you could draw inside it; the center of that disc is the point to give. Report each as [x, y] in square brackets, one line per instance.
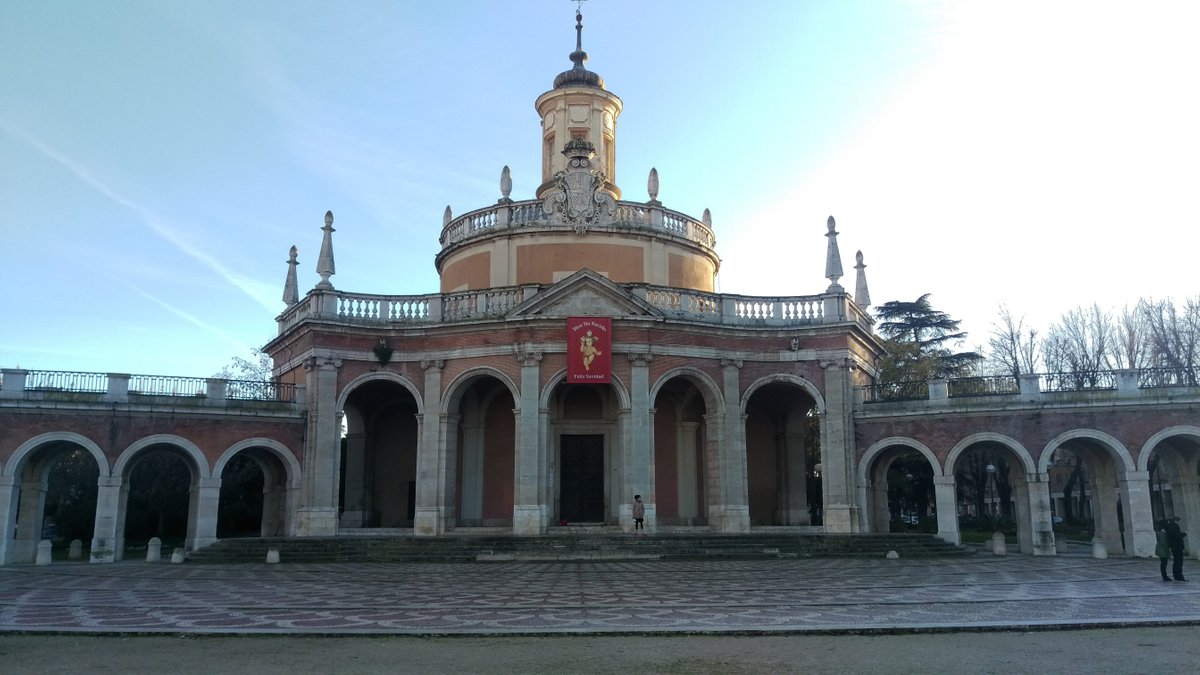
[461, 382]
[278, 450]
[864, 464]
[560, 377]
[1143, 461]
[1115, 447]
[199, 462]
[708, 387]
[18, 458]
[984, 437]
[786, 378]
[386, 376]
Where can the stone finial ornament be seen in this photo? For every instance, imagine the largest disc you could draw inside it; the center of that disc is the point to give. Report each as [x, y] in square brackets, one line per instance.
[291, 289]
[505, 183]
[447, 216]
[707, 218]
[652, 185]
[325, 266]
[862, 296]
[833, 258]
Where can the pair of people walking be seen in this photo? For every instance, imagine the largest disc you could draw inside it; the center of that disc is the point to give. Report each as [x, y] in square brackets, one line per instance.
[1169, 544]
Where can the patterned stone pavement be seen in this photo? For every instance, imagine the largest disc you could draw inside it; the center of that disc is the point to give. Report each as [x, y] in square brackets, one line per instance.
[760, 596]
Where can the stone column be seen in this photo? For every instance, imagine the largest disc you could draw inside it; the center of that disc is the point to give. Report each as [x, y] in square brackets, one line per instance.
[1040, 518]
[1139, 518]
[354, 500]
[9, 497]
[529, 515]
[322, 451]
[1104, 505]
[733, 501]
[685, 470]
[947, 509]
[433, 466]
[31, 506]
[881, 514]
[472, 472]
[204, 501]
[638, 467]
[795, 480]
[1185, 494]
[837, 449]
[1022, 513]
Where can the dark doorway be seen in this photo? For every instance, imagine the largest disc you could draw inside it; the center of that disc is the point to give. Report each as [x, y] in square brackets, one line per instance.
[581, 495]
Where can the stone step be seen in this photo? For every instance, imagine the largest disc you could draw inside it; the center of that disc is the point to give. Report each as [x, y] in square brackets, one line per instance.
[587, 546]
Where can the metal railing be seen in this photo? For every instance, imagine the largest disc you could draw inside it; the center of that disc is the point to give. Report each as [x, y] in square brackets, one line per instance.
[258, 390]
[992, 385]
[62, 380]
[1152, 378]
[896, 391]
[1098, 380]
[167, 385]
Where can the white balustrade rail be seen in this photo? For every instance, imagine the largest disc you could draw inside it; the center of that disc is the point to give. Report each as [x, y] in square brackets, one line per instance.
[530, 214]
[496, 303]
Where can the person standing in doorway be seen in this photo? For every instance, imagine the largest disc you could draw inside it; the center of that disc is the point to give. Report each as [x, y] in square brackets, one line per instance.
[1175, 538]
[639, 515]
[1161, 548]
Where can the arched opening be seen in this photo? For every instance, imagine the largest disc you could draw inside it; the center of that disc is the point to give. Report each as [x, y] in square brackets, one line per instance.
[680, 439]
[378, 484]
[486, 438]
[900, 494]
[991, 495]
[253, 501]
[1174, 469]
[783, 456]
[56, 500]
[583, 426]
[1085, 496]
[156, 498]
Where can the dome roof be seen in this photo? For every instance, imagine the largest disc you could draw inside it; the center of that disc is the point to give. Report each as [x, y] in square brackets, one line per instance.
[578, 76]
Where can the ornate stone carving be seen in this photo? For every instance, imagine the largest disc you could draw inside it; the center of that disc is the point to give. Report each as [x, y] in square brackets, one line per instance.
[640, 358]
[734, 363]
[433, 363]
[578, 200]
[528, 357]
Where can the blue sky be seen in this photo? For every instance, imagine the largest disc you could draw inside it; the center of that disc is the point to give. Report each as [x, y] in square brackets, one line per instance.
[158, 159]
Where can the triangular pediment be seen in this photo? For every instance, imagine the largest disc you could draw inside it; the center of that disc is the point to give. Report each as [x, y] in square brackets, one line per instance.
[584, 293]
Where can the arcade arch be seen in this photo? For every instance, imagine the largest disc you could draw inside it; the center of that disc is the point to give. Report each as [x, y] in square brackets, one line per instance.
[160, 478]
[1089, 489]
[482, 438]
[586, 449]
[683, 459]
[783, 453]
[991, 488]
[1171, 459]
[378, 464]
[258, 484]
[899, 492]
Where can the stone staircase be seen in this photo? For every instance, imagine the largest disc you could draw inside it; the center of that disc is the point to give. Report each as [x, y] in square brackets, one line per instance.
[562, 546]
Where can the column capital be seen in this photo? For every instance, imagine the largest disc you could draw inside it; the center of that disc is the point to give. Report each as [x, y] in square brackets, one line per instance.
[844, 362]
[433, 364]
[731, 363]
[528, 357]
[323, 363]
[640, 358]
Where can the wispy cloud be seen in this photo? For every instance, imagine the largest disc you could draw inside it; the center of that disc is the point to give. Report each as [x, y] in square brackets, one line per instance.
[242, 347]
[252, 288]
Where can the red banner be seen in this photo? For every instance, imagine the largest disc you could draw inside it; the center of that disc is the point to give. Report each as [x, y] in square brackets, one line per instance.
[589, 349]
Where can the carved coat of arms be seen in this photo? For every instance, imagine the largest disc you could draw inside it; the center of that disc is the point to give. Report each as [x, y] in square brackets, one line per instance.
[579, 201]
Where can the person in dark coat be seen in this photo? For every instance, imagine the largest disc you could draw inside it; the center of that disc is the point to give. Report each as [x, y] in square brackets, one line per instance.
[639, 514]
[1175, 538]
[1161, 548]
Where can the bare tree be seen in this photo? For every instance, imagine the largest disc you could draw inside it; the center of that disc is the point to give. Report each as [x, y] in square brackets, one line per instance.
[1132, 349]
[1174, 336]
[1012, 348]
[1082, 345]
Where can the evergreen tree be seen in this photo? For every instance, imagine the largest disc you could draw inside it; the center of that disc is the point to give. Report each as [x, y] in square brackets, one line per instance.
[919, 340]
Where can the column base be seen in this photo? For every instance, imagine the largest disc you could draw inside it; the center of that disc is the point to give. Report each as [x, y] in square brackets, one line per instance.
[319, 522]
[102, 551]
[730, 519]
[429, 522]
[528, 521]
[841, 519]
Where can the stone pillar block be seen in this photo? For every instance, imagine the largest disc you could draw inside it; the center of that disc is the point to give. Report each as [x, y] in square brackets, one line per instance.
[105, 547]
[76, 550]
[118, 388]
[154, 550]
[999, 545]
[44, 548]
[13, 382]
[947, 509]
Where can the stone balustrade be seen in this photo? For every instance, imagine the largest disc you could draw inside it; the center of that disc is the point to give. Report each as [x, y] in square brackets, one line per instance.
[1036, 387]
[529, 213]
[495, 303]
[16, 383]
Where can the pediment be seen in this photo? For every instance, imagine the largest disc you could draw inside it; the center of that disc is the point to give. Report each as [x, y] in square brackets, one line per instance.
[584, 293]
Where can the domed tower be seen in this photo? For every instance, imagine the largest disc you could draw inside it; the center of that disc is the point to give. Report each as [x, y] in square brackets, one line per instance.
[578, 219]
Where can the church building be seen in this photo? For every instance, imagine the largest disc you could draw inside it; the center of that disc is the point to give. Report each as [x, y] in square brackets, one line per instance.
[575, 355]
